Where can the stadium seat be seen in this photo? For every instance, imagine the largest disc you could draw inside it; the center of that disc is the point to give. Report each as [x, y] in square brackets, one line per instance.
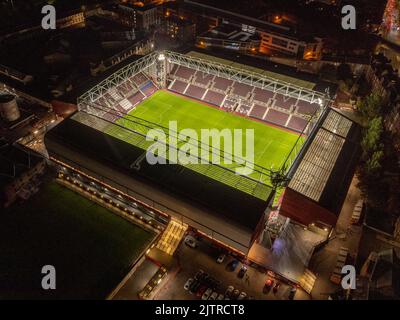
[305, 107]
[244, 109]
[195, 91]
[214, 98]
[276, 117]
[179, 86]
[229, 104]
[184, 72]
[258, 111]
[136, 98]
[263, 95]
[139, 79]
[284, 102]
[148, 89]
[203, 78]
[241, 89]
[297, 124]
[222, 83]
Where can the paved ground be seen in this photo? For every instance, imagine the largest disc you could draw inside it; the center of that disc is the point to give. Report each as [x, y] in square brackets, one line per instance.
[137, 281]
[323, 262]
[290, 253]
[204, 257]
[90, 247]
[391, 22]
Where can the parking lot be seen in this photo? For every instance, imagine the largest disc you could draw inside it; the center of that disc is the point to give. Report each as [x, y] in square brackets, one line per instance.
[204, 257]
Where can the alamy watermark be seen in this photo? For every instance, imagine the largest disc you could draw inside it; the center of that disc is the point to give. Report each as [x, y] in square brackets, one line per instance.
[349, 277]
[49, 21]
[223, 147]
[49, 280]
[349, 18]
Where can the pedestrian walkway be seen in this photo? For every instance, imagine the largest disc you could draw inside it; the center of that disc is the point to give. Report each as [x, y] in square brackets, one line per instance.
[172, 236]
[323, 262]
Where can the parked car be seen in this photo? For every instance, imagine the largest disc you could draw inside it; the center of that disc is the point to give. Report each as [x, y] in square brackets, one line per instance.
[205, 276]
[232, 265]
[194, 287]
[292, 293]
[201, 291]
[242, 295]
[188, 283]
[212, 282]
[235, 294]
[213, 296]
[242, 271]
[269, 283]
[190, 241]
[206, 294]
[199, 274]
[276, 287]
[229, 291]
[221, 258]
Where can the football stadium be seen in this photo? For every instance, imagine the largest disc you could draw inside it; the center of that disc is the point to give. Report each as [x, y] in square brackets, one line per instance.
[272, 144]
[106, 142]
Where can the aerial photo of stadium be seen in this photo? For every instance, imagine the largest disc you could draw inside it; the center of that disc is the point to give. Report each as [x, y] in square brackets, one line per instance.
[272, 144]
[198, 93]
[175, 150]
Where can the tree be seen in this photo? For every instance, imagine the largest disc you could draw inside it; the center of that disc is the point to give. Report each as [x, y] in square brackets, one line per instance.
[328, 71]
[379, 172]
[371, 106]
[374, 164]
[278, 178]
[344, 72]
[372, 138]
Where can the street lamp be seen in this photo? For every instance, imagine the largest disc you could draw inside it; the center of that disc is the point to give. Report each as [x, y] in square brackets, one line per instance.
[161, 57]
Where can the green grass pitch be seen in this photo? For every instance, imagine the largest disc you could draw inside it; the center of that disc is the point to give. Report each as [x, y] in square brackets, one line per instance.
[91, 248]
[271, 144]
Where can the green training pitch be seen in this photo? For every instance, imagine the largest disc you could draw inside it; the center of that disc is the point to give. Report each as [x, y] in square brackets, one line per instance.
[91, 248]
[272, 145]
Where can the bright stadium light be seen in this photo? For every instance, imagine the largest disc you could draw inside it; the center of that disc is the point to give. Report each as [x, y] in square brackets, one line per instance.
[161, 57]
[320, 102]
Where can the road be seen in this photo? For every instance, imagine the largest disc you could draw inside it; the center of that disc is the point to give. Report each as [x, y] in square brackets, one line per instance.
[204, 257]
[346, 235]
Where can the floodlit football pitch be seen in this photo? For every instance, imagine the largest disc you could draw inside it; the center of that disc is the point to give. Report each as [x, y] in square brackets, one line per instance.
[272, 145]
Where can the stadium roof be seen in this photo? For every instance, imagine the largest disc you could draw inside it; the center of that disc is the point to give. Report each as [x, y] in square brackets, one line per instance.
[229, 204]
[14, 162]
[267, 73]
[328, 161]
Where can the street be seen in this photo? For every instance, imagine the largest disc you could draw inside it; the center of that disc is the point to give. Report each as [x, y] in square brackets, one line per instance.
[204, 257]
[346, 235]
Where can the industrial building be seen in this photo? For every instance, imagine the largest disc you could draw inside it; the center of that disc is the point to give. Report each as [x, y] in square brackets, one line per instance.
[19, 170]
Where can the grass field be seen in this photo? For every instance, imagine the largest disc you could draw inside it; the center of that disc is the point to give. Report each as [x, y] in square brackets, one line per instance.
[90, 247]
[271, 144]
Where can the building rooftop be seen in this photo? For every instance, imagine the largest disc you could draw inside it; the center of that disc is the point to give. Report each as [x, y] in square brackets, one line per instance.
[206, 8]
[14, 161]
[59, 60]
[230, 32]
[328, 161]
[142, 8]
[225, 201]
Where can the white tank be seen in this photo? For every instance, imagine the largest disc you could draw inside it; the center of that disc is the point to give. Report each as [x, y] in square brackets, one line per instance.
[9, 110]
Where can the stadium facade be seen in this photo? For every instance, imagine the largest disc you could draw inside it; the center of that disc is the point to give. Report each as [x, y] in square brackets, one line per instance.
[229, 208]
